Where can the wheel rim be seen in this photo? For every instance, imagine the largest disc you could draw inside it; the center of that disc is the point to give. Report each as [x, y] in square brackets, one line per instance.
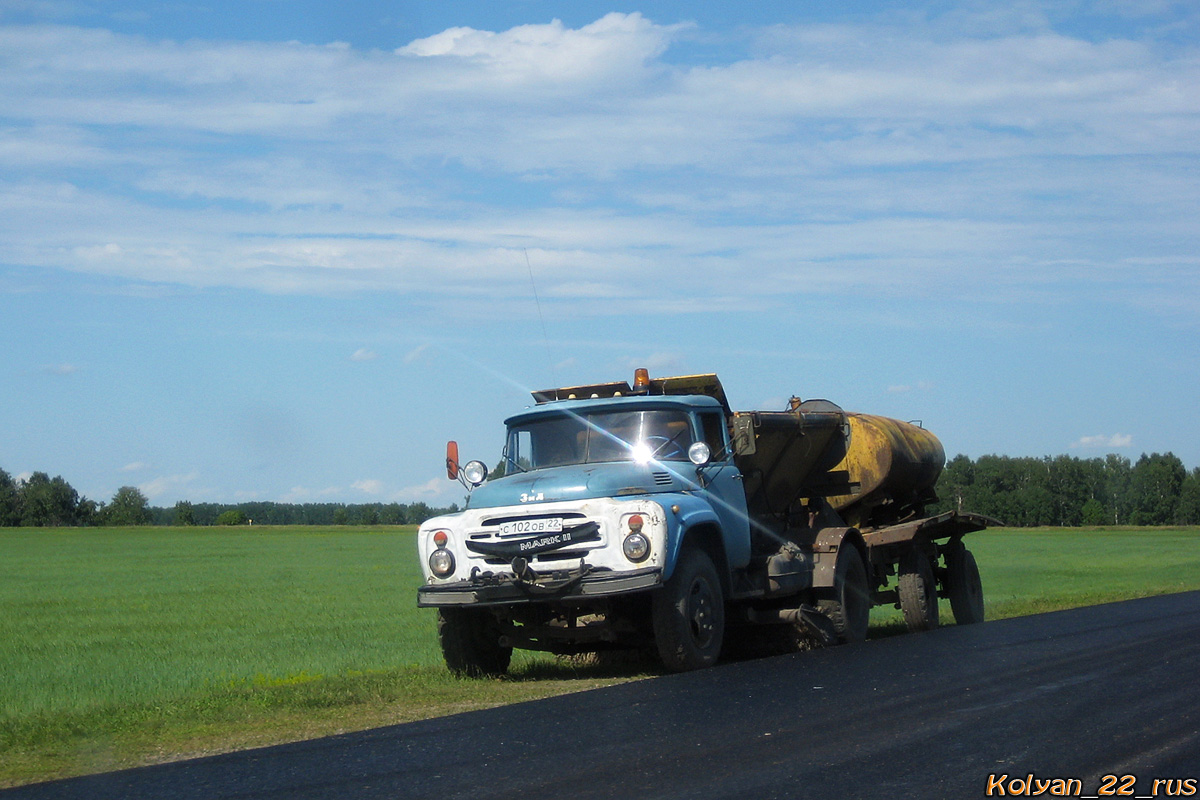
[700, 613]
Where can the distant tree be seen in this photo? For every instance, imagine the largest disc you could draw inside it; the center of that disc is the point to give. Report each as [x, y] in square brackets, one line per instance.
[1117, 471]
[392, 514]
[88, 512]
[419, 512]
[46, 501]
[128, 507]
[341, 516]
[184, 513]
[1188, 511]
[9, 512]
[954, 485]
[234, 516]
[1036, 506]
[1154, 486]
[1070, 485]
[1094, 513]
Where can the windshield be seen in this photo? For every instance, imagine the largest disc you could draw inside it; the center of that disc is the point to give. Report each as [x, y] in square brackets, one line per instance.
[555, 441]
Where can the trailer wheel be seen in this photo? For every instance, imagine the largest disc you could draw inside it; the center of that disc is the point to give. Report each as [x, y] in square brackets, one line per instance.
[918, 591]
[963, 586]
[470, 641]
[850, 607]
[689, 614]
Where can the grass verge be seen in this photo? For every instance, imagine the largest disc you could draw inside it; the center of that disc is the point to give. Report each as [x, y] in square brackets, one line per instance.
[121, 647]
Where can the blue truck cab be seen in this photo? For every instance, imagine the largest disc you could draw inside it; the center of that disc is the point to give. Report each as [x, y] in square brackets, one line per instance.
[623, 517]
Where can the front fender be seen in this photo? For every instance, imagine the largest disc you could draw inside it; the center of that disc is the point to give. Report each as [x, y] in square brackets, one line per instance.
[692, 512]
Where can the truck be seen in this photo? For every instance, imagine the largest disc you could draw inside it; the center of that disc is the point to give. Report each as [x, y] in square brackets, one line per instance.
[652, 517]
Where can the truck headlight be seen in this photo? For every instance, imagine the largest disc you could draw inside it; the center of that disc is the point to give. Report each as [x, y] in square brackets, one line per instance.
[636, 547]
[441, 562]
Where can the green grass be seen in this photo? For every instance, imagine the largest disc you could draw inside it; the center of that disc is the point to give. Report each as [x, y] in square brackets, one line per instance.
[132, 645]
[122, 646]
[1044, 569]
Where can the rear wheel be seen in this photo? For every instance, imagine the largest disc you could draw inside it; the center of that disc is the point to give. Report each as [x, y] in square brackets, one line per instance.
[918, 591]
[963, 586]
[849, 609]
[470, 641]
[689, 614]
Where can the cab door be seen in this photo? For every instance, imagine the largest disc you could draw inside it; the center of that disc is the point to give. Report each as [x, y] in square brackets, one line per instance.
[723, 483]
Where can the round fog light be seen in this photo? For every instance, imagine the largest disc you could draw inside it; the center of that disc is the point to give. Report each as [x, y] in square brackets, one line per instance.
[636, 547]
[441, 562]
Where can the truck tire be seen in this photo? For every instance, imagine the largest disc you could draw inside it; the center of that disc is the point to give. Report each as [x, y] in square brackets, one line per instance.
[918, 591]
[963, 586]
[470, 642]
[689, 614]
[849, 609]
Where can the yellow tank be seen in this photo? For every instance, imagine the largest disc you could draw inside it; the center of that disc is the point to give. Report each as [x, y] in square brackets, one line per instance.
[896, 465]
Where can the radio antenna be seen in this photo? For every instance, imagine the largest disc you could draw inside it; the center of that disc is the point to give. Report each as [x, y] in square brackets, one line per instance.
[542, 319]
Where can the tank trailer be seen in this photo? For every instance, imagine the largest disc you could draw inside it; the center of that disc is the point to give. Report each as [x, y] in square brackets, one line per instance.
[653, 517]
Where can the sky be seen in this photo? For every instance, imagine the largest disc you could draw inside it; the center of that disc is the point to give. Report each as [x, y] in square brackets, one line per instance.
[283, 251]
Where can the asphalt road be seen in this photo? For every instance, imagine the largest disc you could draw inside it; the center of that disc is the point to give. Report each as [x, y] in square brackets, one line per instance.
[1109, 690]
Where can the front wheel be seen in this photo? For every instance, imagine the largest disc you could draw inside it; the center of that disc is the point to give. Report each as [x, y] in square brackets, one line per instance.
[689, 614]
[470, 641]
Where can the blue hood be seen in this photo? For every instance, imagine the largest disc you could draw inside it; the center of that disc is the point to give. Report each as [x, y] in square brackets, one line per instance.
[584, 481]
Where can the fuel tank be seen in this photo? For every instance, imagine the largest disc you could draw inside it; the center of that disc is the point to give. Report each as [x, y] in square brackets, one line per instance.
[896, 465]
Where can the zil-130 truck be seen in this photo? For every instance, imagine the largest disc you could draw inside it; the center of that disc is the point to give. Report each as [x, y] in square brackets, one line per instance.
[653, 517]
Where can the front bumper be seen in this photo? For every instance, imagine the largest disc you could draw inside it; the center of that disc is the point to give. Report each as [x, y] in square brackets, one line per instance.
[564, 585]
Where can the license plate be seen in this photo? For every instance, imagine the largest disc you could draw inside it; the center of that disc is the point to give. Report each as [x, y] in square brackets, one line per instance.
[524, 526]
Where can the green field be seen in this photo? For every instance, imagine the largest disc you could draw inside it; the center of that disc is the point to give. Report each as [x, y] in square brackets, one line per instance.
[131, 645]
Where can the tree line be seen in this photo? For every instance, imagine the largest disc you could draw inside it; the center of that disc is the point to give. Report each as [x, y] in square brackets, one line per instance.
[1068, 491]
[42, 501]
[267, 513]
[1055, 490]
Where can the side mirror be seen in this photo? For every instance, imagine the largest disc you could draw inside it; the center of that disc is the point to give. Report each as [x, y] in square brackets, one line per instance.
[699, 454]
[743, 435]
[452, 460]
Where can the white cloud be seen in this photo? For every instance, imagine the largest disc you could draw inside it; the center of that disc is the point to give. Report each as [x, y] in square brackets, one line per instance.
[433, 488]
[363, 354]
[168, 485]
[767, 162]
[415, 353]
[135, 466]
[659, 364]
[1116, 440]
[60, 369]
[614, 45]
[369, 486]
